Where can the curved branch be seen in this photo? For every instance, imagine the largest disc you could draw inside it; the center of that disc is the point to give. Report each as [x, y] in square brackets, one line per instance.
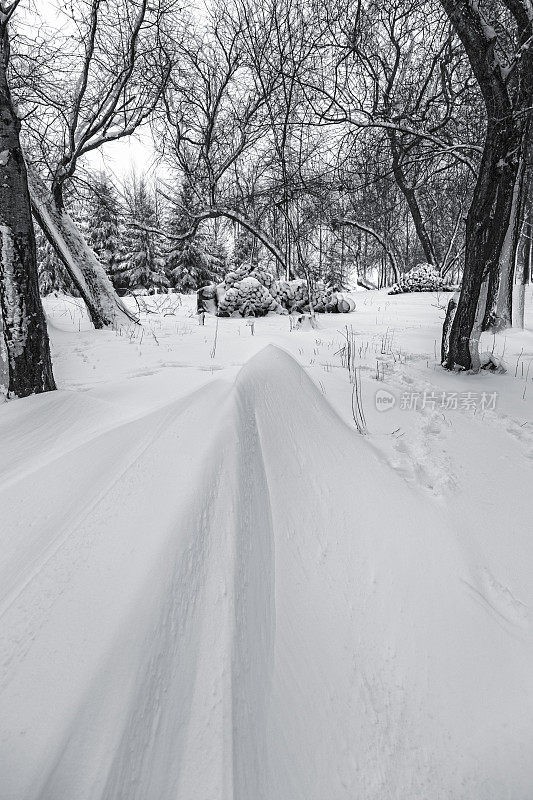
[215, 212]
[392, 258]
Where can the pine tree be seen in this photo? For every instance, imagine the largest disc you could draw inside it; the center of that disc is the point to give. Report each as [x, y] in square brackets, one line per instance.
[105, 232]
[53, 276]
[143, 266]
[334, 265]
[219, 256]
[196, 261]
[244, 250]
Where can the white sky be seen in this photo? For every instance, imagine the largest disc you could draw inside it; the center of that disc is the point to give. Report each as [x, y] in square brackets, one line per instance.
[119, 158]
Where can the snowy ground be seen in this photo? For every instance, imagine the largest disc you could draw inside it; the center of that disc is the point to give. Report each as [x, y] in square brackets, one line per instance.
[212, 587]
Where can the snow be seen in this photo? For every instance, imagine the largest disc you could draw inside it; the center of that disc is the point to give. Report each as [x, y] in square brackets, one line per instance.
[213, 587]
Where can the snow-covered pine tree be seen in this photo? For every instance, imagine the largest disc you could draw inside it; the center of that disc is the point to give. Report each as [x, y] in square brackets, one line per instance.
[46, 267]
[78, 204]
[144, 265]
[105, 229]
[196, 261]
[244, 250]
[53, 276]
[219, 256]
[334, 267]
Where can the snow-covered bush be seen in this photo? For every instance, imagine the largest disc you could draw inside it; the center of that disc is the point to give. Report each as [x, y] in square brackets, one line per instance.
[422, 278]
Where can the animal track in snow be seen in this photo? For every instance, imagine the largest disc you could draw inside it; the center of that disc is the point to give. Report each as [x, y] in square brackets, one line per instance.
[422, 460]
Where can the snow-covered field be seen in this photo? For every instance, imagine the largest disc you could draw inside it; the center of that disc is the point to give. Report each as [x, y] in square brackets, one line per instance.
[213, 587]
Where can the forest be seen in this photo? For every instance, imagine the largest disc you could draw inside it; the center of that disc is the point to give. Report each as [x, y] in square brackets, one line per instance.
[356, 140]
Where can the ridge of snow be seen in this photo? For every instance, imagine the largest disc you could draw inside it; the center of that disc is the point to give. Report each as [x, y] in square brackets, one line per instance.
[266, 611]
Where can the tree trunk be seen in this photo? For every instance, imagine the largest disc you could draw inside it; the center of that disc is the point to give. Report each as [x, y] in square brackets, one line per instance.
[104, 306]
[486, 227]
[526, 263]
[410, 196]
[23, 321]
[521, 293]
[507, 95]
[447, 327]
[477, 327]
[499, 312]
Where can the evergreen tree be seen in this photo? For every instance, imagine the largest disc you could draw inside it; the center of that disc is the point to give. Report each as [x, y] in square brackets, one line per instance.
[334, 266]
[196, 261]
[78, 205]
[105, 232]
[53, 276]
[219, 257]
[143, 265]
[245, 250]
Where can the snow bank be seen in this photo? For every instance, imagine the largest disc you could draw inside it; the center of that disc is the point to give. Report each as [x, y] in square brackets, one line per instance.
[234, 597]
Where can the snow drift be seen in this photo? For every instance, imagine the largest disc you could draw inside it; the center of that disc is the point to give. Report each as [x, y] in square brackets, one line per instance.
[235, 598]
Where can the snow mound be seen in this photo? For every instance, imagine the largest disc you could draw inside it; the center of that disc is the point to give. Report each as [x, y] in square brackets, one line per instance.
[235, 598]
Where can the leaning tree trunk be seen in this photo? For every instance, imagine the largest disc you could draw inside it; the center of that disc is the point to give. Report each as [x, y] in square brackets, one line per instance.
[89, 277]
[486, 228]
[23, 322]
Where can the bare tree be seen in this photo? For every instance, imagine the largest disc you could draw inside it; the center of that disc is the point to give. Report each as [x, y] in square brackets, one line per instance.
[393, 73]
[111, 67]
[217, 121]
[384, 244]
[498, 39]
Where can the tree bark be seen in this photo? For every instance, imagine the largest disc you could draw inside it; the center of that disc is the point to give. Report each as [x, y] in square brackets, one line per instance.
[23, 321]
[103, 304]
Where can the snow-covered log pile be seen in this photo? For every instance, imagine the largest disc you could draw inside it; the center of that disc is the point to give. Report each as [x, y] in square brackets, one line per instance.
[294, 295]
[248, 297]
[422, 278]
[254, 292]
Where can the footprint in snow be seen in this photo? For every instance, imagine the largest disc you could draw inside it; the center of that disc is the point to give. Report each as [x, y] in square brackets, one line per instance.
[422, 459]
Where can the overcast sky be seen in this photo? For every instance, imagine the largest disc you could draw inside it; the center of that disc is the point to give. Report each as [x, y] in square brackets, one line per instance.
[118, 158]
